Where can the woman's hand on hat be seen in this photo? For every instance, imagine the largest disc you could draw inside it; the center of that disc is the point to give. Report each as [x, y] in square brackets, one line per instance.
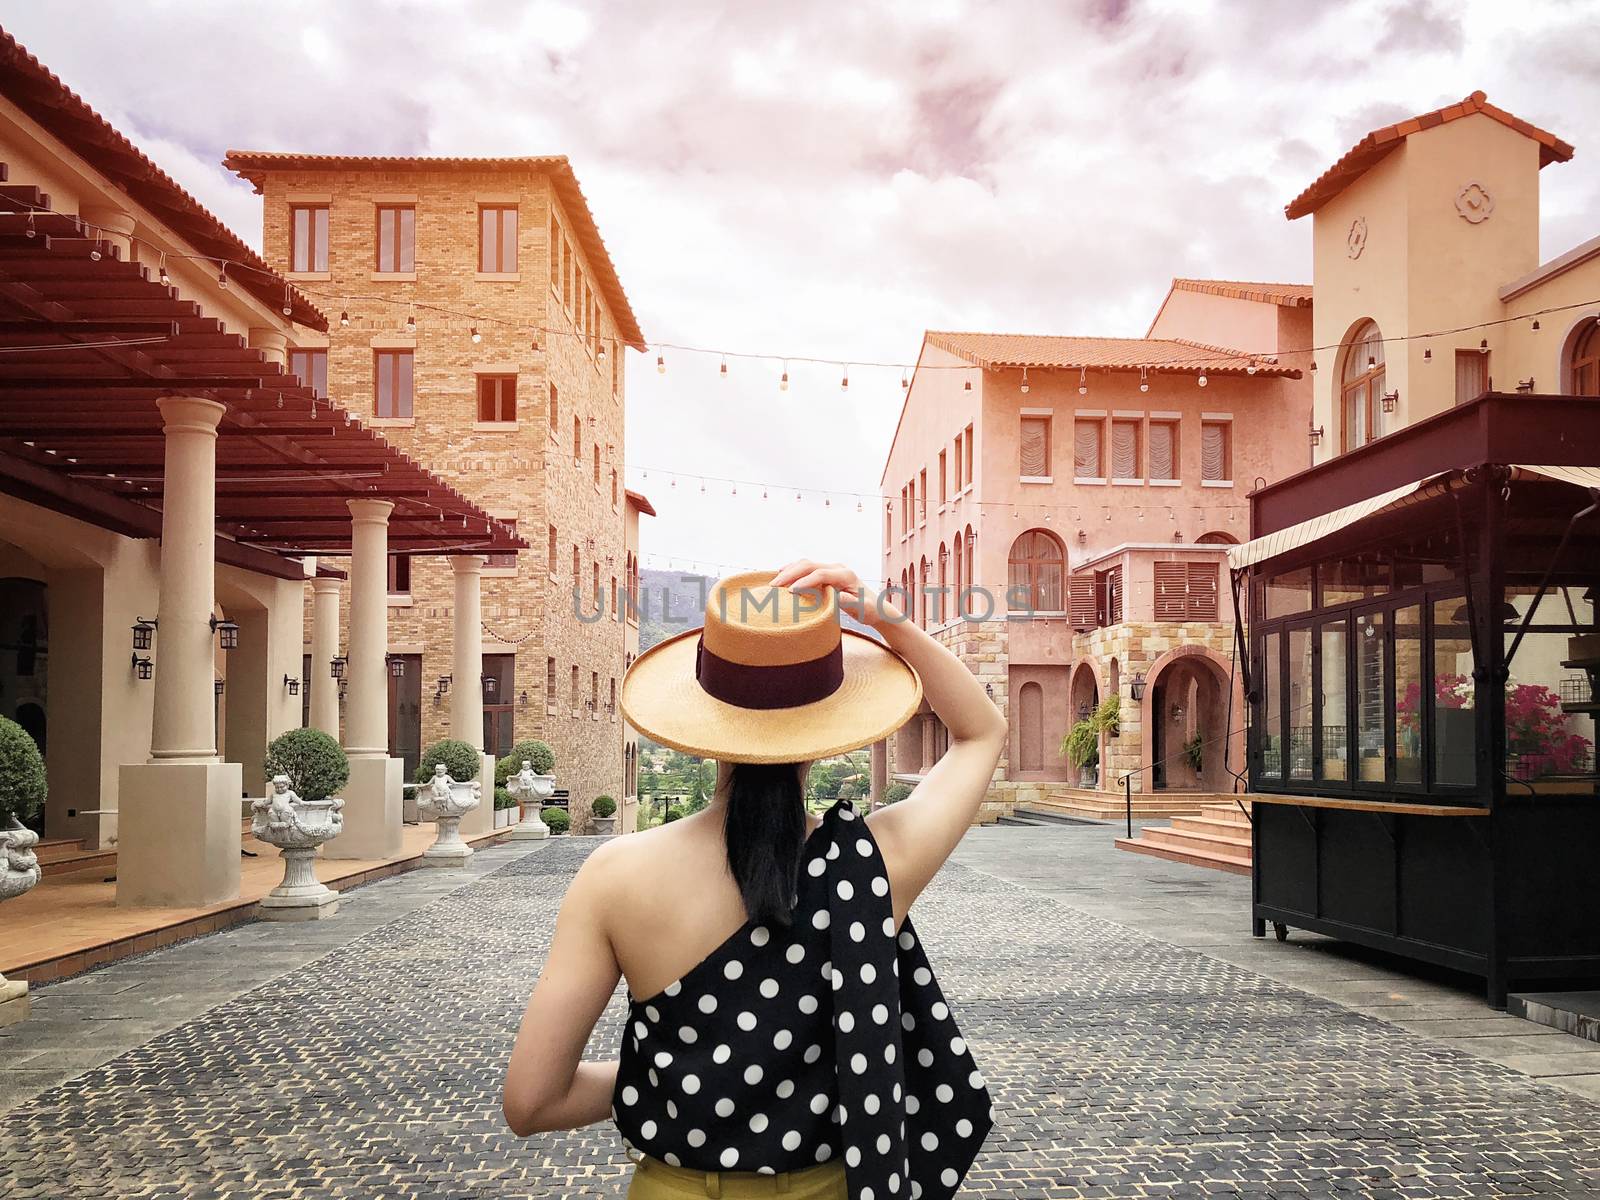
[869, 607]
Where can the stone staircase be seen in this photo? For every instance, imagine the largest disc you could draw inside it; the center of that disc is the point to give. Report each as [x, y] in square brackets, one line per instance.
[1218, 836]
[1112, 806]
[62, 856]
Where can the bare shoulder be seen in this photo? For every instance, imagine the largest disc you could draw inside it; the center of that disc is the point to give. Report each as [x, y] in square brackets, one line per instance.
[622, 868]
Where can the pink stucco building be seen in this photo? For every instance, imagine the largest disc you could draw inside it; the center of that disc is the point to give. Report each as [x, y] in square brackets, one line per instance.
[1057, 509]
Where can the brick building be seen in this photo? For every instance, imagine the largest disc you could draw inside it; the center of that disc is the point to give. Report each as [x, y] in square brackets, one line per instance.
[1073, 497]
[520, 404]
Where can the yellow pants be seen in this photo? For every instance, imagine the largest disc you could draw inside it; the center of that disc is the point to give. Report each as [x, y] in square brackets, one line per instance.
[655, 1180]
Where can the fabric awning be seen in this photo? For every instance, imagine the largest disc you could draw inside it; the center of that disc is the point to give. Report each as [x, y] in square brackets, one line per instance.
[1293, 537]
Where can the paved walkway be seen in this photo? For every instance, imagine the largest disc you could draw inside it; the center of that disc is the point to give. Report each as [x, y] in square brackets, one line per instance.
[1122, 1062]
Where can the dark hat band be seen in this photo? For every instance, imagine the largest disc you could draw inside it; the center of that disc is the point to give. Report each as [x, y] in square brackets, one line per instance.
[787, 686]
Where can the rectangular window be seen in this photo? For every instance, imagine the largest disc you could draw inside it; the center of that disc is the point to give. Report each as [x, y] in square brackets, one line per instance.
[574, 689]
[1454, 696]
[1300, 707]
[1216, 451]
[1270, 743]
[577, 440]
[611, 702]
[1163, 450]
[944, 478]
[555, 429]
[552, 252]
[397, 238]
[911, 504]
[399, 574]
[1035, 447]
[392, 387]
[312, 368]
[550, 553]
[967, 450]
[549, 681]
[1125, 450]
[577, 571]
[566, 274]
[1172, 591]
[1472, 374]
[1371, 695]
[922, 490]
[1086, 435]
[594, 691]
[497, 398]
[613, 487]
[497, 239]
[959, 484]
[308, 237]
[1334, 707]
[508, 561]
[1202, 591]
[1407, 694]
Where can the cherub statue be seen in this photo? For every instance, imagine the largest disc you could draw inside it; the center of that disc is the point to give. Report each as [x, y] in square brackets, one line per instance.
[276, 810]
[439, 787]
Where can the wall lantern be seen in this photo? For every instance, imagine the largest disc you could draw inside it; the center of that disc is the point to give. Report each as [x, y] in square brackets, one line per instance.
[336, 666]
[443, 688]
[1427, 356]
[522, 700]
[397, 666]
[143, 632]
[1136, 686]
[217, 685]
[227, 633]
[1085, 709]
[1525, 385]
[1177, 536]
[344, 687]
[1315, 434]
[143, 668]
[491, 685]
[293, 684]
[1389, 399]
[988, 690]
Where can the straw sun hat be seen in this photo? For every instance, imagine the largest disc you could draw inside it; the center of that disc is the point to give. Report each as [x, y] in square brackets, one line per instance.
[771, 678]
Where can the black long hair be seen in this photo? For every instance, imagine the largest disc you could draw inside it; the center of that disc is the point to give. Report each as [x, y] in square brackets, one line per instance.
[765, 828]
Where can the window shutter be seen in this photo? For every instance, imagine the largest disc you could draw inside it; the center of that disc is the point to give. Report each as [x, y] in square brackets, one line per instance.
[1161, 451]
[1080, 601]
[1086, 450]
[1172, 586]
[1124, 450]
[1114, 596]
[1202, 587]
[1213, 451]
[1035, 446]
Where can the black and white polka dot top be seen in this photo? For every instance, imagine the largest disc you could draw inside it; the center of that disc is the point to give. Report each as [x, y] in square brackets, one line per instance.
[784, 1048]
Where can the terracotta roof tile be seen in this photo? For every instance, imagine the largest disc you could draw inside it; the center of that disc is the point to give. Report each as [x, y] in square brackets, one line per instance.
[638, 500]
[39, 93]
[1365, 153]
[1289, 295]
[1159, 355]
[254, 165]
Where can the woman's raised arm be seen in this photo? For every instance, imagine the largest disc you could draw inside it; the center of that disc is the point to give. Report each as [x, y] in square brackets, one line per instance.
[917, 834]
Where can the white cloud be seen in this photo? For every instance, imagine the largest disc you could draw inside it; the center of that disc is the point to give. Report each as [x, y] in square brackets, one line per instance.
[830, 179]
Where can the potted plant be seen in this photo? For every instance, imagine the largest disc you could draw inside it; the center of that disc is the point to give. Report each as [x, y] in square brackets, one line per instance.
[449, 774]
[1195, 751]
[1081, 747]
[305, 767]
[604, 810]
[556, 819]
[22, 796]
[528, 774]
[503, 804]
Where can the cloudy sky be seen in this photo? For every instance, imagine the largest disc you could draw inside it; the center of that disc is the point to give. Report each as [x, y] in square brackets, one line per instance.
[830, 179]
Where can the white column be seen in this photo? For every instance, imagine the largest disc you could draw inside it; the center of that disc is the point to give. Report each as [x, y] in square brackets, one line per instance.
[366, 711]
[178, 819]
[273, 343]
[324, 649]
[466, 690]
[372, 808]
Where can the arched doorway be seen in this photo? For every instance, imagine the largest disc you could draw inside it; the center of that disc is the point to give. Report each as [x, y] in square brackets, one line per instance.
[1188, 719]
[1083, 697]
[1030, 727]
[1583, 359]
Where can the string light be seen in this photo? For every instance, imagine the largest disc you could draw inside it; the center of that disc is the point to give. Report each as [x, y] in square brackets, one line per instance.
[411, 323]
[222, 277]
[723, 370]
[600, 353]
[783, 380]
[1083, 381]
[844, 383]
[476, 336]
[661, 364]
[1024, 381]
[1202, 380]
[344, 319]
[1144, 379]
[288, 300]
[166, 280]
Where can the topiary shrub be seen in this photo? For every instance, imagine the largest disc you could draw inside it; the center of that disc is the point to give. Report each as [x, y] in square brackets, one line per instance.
[22, 778]
[459, 759]
[315, 764]
[503, 798]
[556, 819]
[895, 792]
[538, 754]
[603, 806]
[675, 813]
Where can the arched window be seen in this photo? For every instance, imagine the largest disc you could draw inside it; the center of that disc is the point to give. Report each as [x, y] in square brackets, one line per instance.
[1030, 727]
[1361, 386]
[922, 594]
[958, 608]
[966, 572]
[1216, 538]
[940, 606]
[1584, 365]
[1038, 565]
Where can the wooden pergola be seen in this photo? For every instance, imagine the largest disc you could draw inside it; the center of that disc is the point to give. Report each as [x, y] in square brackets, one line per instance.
[88, 344]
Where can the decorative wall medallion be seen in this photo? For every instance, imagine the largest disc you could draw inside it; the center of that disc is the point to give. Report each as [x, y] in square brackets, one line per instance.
[1474, 203]
[1356, 240]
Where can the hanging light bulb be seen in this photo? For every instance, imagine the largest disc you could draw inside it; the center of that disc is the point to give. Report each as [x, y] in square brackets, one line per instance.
[723, 369]
[858, 507]
[798, 497]
[1083, 381]
[735, 489]
[702, 487]
[31, 231]
[763, 493]
[344, 319]
[844, 383]
[1250, 367]
[783, 380]
[476, 336]
[166, 280]
[827, 502]
[94, 252]
[1202, 380]
[222, 277]
[904, 382]
[288, 302]
[1144, 380]
[966, 385]
[534, 344]
[661, 364]
[1024, 381]
[600, 353]
[411, 323]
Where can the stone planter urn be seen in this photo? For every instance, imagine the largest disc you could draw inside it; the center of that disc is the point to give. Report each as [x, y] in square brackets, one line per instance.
[19, 872]
[531, 791]
[605, 826]
[444, 802]
[297, 827]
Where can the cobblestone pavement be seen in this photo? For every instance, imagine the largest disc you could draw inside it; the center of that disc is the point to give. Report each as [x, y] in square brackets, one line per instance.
[1121, 1064]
